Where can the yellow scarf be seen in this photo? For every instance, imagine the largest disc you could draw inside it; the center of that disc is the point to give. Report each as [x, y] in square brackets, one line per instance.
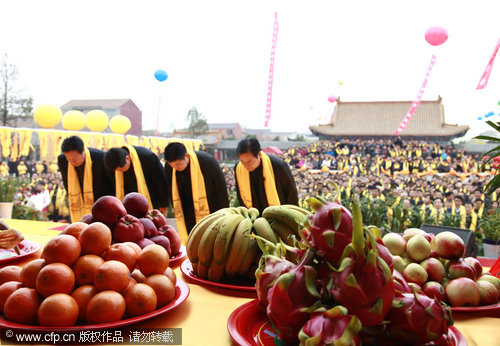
[142, 187]
[243, 177]
[80, 205]
[200, 201]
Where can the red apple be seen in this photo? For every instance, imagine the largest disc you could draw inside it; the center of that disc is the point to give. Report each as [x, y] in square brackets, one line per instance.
[157, 217]
[128, 228]
[136, 204]
[434, 269]
[172, 235]
[463, 292]
[144, 242]
[150, 229]
[488, 293]
[449, 245]
[88, 219]
[458, 269]
[108, 210]
[434, 290]
[162, 241]
[474, 262]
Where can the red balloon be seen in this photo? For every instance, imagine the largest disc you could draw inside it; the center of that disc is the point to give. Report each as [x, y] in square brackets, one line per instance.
[332, 98]
[436, 35]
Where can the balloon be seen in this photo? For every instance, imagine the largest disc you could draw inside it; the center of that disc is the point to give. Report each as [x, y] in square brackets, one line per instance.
[120, 124]
[161, 75]
[97, 120]
[479, 118]
[73, 120]
[444, 156]
[47, 116]
[436, 35]
[340, 82]
[490, 114]
[499, 103]
[332, 98]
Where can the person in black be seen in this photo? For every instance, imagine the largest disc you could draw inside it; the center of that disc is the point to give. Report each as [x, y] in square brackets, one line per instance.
[177, 157]
[249, 153]
[154, 175]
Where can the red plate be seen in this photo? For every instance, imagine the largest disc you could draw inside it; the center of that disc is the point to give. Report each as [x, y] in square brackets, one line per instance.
[483, 308]
[181, 294]
[26, 247]
[177, 259]
[248, 325]
[187, 269]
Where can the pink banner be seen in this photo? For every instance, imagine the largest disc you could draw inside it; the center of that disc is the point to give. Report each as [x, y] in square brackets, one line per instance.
[415, 103]
[271, 71]
[486, 74]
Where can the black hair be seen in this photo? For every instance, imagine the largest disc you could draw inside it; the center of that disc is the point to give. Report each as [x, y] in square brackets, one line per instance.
[175, 151]
[250, 145]
[115, 157]
[460, 198]
[72, 143]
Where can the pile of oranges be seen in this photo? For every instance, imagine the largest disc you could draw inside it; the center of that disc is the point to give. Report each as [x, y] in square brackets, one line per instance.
[82, 278]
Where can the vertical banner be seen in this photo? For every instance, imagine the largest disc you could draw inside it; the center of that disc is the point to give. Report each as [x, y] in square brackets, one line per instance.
[271, 71]
[486, 74]
[415, 103]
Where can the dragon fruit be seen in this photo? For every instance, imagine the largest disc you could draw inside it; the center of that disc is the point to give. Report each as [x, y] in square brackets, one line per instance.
[363, 282]
[400, 283]
[292, 298]
[417, 318]
[331, 327]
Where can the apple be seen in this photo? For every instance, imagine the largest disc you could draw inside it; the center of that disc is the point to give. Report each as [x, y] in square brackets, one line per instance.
[418, 248]
[144, 242]
[434, 290]
[463, 292]
[162, 241]
[157, 217]
[150, 229]
[434, 269]
[128, 228]
[395, 243]
[172, 235]
[108, 210]
[449, 245]
[410, 232]
[88, 219]
[136, 204]
[415, 273]
[488, 293]
[400, 263]
[491, 279]
[474, 262]
[459, 269]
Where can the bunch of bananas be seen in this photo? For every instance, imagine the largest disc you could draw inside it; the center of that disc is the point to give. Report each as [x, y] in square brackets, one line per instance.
[220, 246]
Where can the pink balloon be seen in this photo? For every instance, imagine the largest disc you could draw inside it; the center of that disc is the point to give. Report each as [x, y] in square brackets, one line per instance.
[332, 98]
[436, 35]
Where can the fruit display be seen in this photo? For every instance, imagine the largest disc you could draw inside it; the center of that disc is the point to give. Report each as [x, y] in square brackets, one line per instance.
[343, 289]
[132, 221]
[435, 264]
[83, 278]
[219, 246]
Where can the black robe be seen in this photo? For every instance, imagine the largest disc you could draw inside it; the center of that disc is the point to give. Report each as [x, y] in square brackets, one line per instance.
[215, 186]
[285, 185]
[101, 183]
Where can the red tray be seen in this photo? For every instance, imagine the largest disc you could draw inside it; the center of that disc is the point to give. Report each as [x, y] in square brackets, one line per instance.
[178, 258]
[483, 308]
[248, 325]
[26, 248]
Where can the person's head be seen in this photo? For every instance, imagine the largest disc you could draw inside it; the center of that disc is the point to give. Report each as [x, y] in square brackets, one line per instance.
[406, 204]
[73, 149]
[117, 159]
[438, 203]
[448, 203]
[468, 207]
[248, 151]
[458, 201]
[177, 156]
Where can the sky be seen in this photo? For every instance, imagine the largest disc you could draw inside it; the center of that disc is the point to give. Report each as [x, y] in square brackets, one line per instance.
[217, 56]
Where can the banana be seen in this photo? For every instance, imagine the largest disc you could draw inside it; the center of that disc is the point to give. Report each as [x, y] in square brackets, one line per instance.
[243, 211]
[235, 210]
[215, 271]
[224, 236]
[297, 208]
[250, 253]
[197, 233]
[206, 247]
[238, 247]
[290, 217]
[203, 270]
[283, 231]
[264, 230]
[253, 213]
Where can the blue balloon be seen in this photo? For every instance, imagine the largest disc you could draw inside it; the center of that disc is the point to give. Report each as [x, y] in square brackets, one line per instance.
[479, 118]
[161, 75]
[490, 114]
[444, 156]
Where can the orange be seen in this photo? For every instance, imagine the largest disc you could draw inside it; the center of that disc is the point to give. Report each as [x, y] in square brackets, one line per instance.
[163, 287]
[10, 273]
[85, 268]
[6, 289]
[82, 296]
[123, 253]
[63, 249]
[169, 273]
[58, 310]
[134, 246]
[140, 300]
[55, 278]
[131, 283]
[95, 238]
[30, 271]
[138, 276]
[74, 229]
[112, 275]
[22, 305]
[105, 307]
[153, 260]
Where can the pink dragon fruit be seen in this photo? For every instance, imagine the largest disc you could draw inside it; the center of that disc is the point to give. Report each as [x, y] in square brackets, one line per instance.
[417, 318]
[400, 283]
[363, 282]
[331, 327]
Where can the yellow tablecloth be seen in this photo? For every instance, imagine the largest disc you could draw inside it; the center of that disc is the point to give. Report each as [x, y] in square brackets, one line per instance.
[203, 316]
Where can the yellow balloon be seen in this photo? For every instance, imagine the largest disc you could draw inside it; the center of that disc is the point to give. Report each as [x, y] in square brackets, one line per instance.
[97, 120]
[47, 116]
[73, 120]
[120, 124]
